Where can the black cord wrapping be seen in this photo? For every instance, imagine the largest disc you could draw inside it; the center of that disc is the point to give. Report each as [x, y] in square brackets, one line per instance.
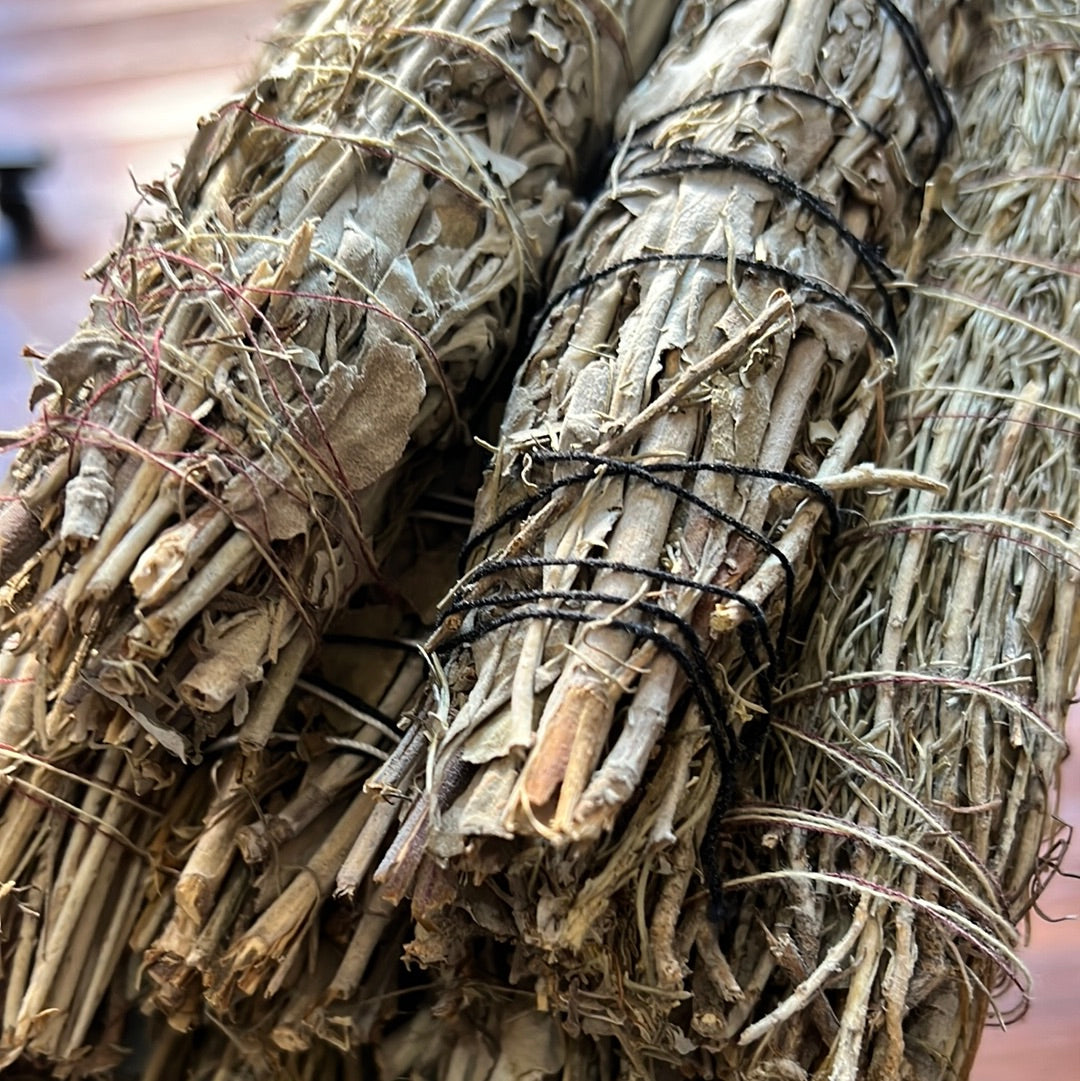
[869, 255]
[487, 599]
[491, 595]
[817, 289]
[834, 105]
[935, 92]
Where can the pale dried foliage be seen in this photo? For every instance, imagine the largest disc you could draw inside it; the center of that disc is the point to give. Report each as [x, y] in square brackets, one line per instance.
[703, 378]
[546, 838]
[292, 331]
[900, 821]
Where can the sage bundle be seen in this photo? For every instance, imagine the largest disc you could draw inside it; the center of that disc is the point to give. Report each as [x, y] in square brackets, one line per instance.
[346, 250]
[287, 339]
[906, 820]
[704, 371]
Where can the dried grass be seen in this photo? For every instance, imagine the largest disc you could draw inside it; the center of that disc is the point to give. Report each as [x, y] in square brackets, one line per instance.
[916, 768]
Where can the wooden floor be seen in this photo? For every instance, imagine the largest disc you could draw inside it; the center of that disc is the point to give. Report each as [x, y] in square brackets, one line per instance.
[110, 90]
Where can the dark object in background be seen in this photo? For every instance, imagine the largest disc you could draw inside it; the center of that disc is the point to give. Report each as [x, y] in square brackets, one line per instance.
[17, 165]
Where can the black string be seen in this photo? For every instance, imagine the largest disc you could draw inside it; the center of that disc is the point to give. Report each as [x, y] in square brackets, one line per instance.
[518, 510]
[727, 469]
[646, 473]
[641, 473]
[834, 104]
[521, 509]
[869, 255]
[790, 278]
[494, 566]
[694, 664]
[935, 93]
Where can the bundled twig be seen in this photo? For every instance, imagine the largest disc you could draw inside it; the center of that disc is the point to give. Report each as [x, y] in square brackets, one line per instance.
[906, 821]
[272, 923]
[216, 886]
[250, 928]
[227, 451]
[707, 364]
[704, 372]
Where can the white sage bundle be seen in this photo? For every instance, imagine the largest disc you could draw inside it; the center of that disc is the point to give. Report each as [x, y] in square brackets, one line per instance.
[286, 341]
[703, 375]
[906, 821]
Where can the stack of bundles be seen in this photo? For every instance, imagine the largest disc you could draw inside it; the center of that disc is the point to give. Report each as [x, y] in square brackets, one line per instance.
[639, 897]
[229, 444]
[900, 821]
[905, 820]
[706, 366]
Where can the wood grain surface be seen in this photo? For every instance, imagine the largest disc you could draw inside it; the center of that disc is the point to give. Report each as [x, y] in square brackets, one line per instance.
[110, 91]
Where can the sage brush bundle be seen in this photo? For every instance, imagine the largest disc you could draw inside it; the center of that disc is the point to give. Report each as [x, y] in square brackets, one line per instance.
[906, 821]
[285, 340]
[704, 371]
[345, 251]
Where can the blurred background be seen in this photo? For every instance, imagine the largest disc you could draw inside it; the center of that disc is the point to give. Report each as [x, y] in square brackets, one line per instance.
[96, 95]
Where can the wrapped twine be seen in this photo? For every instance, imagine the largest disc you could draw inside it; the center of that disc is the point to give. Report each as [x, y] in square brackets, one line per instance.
[285, 343]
